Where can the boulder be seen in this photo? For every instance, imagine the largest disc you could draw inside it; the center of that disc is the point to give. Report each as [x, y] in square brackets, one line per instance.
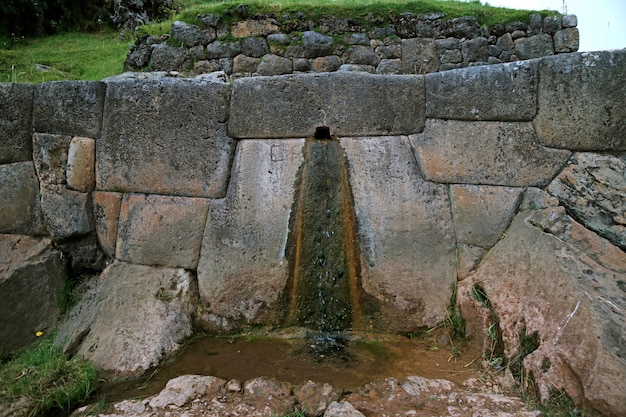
[133, 317]
[475, 50]
[361, 55]
[189, 149]
[342, 409]
[254, 47]
[192, 35]
[593, 189]
[326, 63]
[419, 56]
[386, 105]
[186, 388]
[31, 281]
[315, 44]
[535, 46]
[243, 267]
[579, 107]
[402, 220]
[20, 200]
[275, 65]
[566, 40]
[16, 119]
[165, 57]
[315, 397]
[254, 27]
[221, 49]
[243, 64]
[490, 153]
[556, 291]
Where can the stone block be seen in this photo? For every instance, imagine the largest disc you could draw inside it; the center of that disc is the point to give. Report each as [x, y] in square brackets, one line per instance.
[31, 279]
[243, 269]
[106, 210]
[161, 230]
[566, 40]
[326, 63]
[490, 153]
[506, 92]
[69, 108]
[81, 161]
[165, 136]
[581, 102]
[20, 200]
[292, 106]
[275, 65]
[482, 212]
[67, 213]
[403, 220]
[254, 27]
[50, 158]
[535, 46]
[419, 56]
[16, 120]
[243, 64]
[165, 57]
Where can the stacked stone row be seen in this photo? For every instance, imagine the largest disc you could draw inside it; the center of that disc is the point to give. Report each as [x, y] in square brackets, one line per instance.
[410, 44]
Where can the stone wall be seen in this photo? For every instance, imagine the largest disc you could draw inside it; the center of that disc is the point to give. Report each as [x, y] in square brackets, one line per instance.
[407, 43]
[505, 181]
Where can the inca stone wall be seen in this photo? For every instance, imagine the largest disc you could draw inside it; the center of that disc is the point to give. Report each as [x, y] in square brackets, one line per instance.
[506, 178]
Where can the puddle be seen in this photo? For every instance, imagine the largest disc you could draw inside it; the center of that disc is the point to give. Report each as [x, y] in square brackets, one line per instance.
[290, 360]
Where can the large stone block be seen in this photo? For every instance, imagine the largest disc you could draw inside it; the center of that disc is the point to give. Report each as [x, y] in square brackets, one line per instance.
[581, 101]
[16, 121]
[133, 317]
[292, 106]
[556, 284]
[165, 135]
[406, 234]
[506, 92]
[419, 56]
[81, 161]
[490, 153]
[69, 107]
[50, 158]
[20, 205]
[106, 210]
[161, 230]
[31, 279]
[67, 213]
[243, 269]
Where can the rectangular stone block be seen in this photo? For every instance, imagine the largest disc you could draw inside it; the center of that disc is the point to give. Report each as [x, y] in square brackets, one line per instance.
[81, 161]
[106, 210]
[503, 92]
[161, 230]
[68, 213]
[20, 206]
[581, 101]
[16, 120]
[491, 153]
[165, 136]
[292, 106]
[69, 107]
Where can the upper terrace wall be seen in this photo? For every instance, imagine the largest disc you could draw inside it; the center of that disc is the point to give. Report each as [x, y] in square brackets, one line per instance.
[150, 172]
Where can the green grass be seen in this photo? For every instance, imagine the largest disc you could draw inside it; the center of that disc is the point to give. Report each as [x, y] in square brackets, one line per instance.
[42, 374]
[70, 56]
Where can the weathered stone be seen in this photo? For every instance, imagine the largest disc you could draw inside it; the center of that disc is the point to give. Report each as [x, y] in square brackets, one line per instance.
[570, 21]
[275, 65]
[245, 64]
[389, 67]
[593, 188]
[452, 56]
[278, 38]
[243, 268]
[210, 19]
[578, 347]
[84, 254]
[138, 57]
[475, 49]
[314, 397]
[387, 105]
[389, 51]
[566, 40]
[326, 63]
[517, 25]
[81, 160]
[482, 213]
[271, 393]
[419, 56]
[186, 388]
[465, 27]
[370, 69]
[161, 230]
[361, 55]
[303, 64]
[295, 51]
[169, 58]
[536, 199]
[16, 118]
[197, 53]
[69, 107]
[67, 213]
[106, 209]
[357, 39]
[188, 149]
[484, 93]
[315, 44]
[579, 106]
[534, 46]
[402, 221]
[254, 47]
[205, 67]
[254, 27]
[342, 409]
[469, 258]
[220, 49]
[20, 200]
[31, 279]
[505, 42]
[132, 318]
[50, 154]
[552, 24]
[192, 35]
[492, 153]
[535, 26]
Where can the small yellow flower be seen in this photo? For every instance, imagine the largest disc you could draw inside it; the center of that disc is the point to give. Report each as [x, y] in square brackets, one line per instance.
[39, 333]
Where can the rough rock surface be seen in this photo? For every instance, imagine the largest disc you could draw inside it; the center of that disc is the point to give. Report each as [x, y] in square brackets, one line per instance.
[593, 188]
[106, 210]
[243, 267]
[31, 279]
[20, 200]
[81, 160]
[16, 118]
[556, 291]
[403, 220]
[133, 317]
